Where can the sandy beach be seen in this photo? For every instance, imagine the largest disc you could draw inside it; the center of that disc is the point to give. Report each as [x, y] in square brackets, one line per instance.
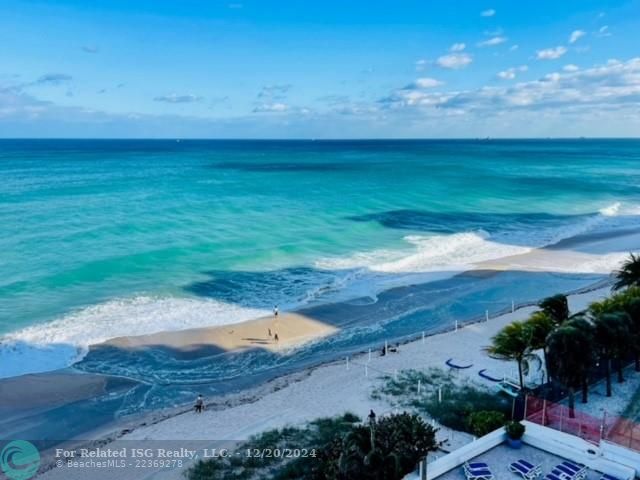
[291, 329]
[328, 390]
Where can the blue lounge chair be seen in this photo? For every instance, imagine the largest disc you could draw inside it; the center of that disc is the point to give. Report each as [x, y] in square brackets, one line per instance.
[526, 470]
[477, 471]
[484, 474]
[537, 468]
[483, 373]
[564, 472]
[573, 471]
[475, 466]
[460, 366]
[552, 476]
[573, 465]
[606, 476]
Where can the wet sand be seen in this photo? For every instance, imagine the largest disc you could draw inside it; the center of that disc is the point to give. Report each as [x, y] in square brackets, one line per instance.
[291, 328]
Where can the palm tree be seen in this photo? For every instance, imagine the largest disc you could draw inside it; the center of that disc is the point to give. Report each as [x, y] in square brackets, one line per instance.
[400, 441]
[611, 331]
[513, 342]
[586, 328]
[541, 324]
[569, 359]
[629, 273]
[556, 306]
[633, 310]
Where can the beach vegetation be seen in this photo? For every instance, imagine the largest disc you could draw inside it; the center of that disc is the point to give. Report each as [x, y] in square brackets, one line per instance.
[514, 429]
[342, 447]
[609, 327]
[556, 307]
[453, 408]
[611, 333]
[485, 421]
[387, 449]
[541, 324]
[629, 273]
[513, 342]
[569, 351]
[442, 397]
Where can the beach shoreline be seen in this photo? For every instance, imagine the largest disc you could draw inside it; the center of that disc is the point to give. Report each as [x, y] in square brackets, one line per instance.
[306, 326]
[235, 416]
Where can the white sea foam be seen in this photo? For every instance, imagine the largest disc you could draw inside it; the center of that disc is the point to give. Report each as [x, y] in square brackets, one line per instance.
[63, 341]
[611, 210]
[435, 257]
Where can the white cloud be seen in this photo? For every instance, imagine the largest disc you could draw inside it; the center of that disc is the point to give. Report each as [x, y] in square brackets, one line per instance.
[570, 68]
[454, 61]
[551, 53]
[513, 48]
[271, 108]
[457, 47]
[488, 13]
[421, 65]
[612, 86]
[576, 35]
[492, 41]
[510, 73]
[427, 82]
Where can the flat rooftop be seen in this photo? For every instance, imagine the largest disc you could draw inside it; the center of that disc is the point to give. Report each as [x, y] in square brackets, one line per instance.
[499, 458]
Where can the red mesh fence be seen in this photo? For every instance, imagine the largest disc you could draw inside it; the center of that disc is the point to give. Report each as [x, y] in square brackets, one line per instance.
[618, 430]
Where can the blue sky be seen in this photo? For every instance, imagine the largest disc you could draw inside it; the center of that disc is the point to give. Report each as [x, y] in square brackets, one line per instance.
[331, 69]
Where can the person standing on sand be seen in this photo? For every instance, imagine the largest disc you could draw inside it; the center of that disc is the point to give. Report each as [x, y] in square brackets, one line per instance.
[275, 311]
[270, 333]
[276, 338]
[199, 406]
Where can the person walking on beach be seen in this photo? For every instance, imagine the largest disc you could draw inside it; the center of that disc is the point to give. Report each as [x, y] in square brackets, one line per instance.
[275, 311]
[199, 406]
[276, 338]
[372, 417]
[270, 335]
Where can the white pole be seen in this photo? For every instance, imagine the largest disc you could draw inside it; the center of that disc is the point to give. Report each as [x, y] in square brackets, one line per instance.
[347, 363]
[366, 371]
[439, 394]
[419, 386]
[423, 338]
[386, 347]
[369, 354]
[513, 306]
[456, 328]
[486, 315]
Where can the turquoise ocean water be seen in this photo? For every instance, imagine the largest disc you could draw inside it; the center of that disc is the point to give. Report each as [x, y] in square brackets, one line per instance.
[94, 231]
[107, 238]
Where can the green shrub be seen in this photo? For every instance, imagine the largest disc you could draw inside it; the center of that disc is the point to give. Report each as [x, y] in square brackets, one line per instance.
[344, 448]
[483, 422]
[458, 403]
[459, 400]
[515, 430]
